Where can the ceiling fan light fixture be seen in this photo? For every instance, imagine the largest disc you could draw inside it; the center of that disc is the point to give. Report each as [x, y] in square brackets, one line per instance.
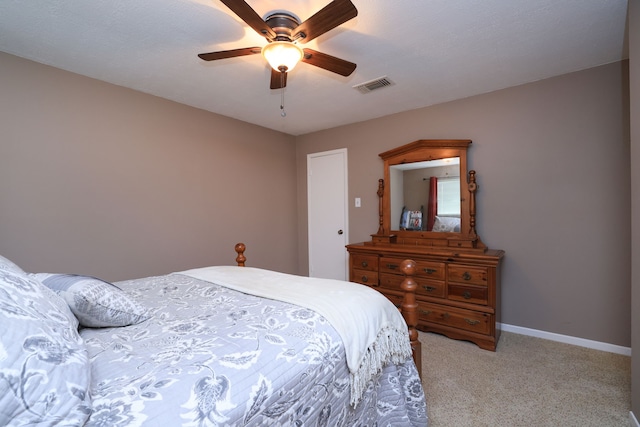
[282, 55]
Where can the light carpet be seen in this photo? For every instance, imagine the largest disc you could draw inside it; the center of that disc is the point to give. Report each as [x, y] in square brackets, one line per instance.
[528, 381]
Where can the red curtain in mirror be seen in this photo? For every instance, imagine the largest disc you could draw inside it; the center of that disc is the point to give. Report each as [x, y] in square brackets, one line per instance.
[432, 203]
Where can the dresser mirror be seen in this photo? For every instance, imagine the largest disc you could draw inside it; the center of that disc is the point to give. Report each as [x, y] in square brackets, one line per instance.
[428, 195]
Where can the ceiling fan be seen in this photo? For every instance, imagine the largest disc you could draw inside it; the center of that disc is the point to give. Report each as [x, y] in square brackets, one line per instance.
[284, 31]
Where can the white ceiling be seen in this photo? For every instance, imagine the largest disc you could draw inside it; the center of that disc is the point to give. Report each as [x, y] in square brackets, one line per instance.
[433, 50]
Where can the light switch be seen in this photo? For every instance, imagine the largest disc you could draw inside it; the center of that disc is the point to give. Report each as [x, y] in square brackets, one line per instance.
[357, 202]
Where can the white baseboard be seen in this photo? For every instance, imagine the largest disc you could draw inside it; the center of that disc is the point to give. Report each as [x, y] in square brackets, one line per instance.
[633, 422]
[596, 345]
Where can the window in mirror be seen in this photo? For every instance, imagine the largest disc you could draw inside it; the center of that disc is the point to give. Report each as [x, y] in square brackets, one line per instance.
[449, 196]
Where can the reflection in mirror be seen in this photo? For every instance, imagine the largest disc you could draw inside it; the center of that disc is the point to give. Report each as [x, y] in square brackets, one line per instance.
[425, 196]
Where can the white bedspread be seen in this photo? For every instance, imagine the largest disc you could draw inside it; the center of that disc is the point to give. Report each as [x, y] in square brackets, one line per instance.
[372, 329]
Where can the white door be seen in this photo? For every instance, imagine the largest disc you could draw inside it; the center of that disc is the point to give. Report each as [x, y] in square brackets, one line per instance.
[327, 214]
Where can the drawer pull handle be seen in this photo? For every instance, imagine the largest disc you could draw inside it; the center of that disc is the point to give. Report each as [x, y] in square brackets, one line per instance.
[446, 316]
[472, 322]
[365, 264]
[429, 288]
[430, 270]
[365, 279]
[466, 295]
[466, 276]
[392, 266]
[425, 312]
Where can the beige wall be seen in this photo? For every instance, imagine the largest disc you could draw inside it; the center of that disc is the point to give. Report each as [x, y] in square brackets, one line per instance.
[634, 89]
[102, 180]
[553, 171]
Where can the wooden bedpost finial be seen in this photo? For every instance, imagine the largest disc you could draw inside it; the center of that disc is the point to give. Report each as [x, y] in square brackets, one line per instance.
[409, 309]
[408, 267]
[240, 259]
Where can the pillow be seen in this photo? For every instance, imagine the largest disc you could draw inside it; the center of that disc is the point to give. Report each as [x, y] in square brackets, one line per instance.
[9, 265]
[446, 224]
[94, 302]
[44, 367]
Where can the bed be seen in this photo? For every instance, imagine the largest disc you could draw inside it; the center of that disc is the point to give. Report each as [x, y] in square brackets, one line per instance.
[214, 346]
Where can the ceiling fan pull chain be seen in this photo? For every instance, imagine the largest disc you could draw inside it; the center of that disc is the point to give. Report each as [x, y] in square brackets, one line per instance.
[282, 112]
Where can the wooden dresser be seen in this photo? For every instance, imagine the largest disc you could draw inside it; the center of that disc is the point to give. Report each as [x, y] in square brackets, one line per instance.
[458, 293]
[457, 276]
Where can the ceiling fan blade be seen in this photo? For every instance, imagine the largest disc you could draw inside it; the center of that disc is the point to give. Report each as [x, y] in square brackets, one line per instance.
[248, 15]
[278, 80]
[328, 62]
[223, 54]
[335, 13]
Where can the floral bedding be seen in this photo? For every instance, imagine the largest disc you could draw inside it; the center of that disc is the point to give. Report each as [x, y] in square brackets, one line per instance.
[213, 356]
[206, 355]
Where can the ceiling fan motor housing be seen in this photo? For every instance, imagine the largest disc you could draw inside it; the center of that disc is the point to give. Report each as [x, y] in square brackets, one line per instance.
[282, 24]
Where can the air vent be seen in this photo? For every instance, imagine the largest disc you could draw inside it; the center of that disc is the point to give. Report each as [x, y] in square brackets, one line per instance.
[371, 85]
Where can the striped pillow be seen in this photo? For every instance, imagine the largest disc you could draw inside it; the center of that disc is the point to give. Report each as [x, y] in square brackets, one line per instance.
[94, 302]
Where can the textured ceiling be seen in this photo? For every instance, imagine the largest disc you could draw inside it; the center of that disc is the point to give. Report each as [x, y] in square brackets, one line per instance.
[433, 50]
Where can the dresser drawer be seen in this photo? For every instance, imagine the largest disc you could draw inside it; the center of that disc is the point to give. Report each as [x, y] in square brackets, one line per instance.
[468, 274]
[365, 277]
[428, 269]
[430, 288]
[426, 287]
[364, 262]
[391, 281]
[390, 265]
[455, 317]
[431, 270]
[468, 293]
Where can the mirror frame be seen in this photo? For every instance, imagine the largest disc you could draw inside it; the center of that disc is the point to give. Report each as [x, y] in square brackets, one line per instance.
[425, 150]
